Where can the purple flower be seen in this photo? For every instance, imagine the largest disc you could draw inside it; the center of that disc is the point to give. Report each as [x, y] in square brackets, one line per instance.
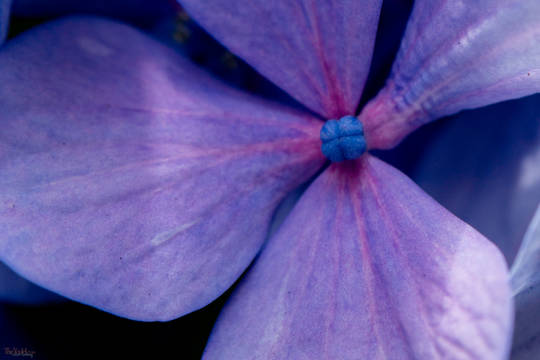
[136, 183]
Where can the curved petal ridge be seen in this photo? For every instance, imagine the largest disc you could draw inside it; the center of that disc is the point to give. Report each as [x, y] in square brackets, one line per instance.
[368, 266]
[131, 180]
[525, 276]
[454, 56]
[317, 51]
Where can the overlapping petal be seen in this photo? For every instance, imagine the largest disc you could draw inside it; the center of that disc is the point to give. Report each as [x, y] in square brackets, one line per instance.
[143, 12]
[456, 55]
[132, 181]
[484, 166]
[5, 7]
[369, 266]
[317, 51]
[525, 275]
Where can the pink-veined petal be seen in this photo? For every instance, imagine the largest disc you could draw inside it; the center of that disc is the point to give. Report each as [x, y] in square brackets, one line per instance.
[456, 55]
[367, 266]
[131, 180]
[317, 51]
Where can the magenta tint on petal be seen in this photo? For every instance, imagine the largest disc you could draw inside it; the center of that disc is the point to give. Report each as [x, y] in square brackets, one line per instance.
[317, 51]
[525, 276]
[131, 180]
[5, 7]
[143, 12]
[367, 266]
[484, 166]
[456, 55]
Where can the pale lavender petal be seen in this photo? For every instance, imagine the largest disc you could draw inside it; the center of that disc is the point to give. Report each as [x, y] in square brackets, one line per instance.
[484, 166]
[368, 266]
[5, 7]
[525, 276]
[456, 55]
[317, 51]
[131, 180]
[143, 12]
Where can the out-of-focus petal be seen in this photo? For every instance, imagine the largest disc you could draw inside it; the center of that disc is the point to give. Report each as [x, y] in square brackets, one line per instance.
[131, 180]
[525, 276]
[5, 7]
[368, 266]
[15, 289]
[484, 166]
[456, 55]
[319, 52]
[143, 12]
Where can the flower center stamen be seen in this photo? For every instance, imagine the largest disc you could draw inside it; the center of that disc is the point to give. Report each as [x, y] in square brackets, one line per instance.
[343, 139]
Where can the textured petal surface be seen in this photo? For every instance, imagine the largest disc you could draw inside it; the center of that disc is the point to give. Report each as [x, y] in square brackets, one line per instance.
[456, 55]
[525, 275]
[131, 181]
[484, 166]
[5, 6]
[368, 266]
[317, 51]
[143, 12]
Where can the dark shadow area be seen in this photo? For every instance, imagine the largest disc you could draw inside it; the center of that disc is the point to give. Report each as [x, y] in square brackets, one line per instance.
[73, 331]
[392, 23]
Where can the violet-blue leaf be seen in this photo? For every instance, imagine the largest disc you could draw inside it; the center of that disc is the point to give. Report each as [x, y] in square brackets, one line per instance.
[484, 166]
[369, 266]
[319, 52]
[456, 55]
[131, 180]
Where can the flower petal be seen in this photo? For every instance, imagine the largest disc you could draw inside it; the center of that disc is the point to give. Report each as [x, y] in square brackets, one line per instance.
[319, 52]
[368, 266]
[525, 276]
[131, 180]
[142, 12]
[456, 55]
[5, 7]
[492, 157]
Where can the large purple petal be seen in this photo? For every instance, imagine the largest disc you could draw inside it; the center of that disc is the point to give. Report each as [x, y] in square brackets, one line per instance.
[5, 7]
[525, 275]
[456, 55]
[143, 12]
[131, 180]
[369, 267]
[317, 51]
[484, 166]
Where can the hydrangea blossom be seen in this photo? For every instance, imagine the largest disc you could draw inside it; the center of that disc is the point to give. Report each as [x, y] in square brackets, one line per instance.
[136, 183]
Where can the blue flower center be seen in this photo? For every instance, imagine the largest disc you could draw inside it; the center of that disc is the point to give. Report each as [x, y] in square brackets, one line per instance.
[343, 139]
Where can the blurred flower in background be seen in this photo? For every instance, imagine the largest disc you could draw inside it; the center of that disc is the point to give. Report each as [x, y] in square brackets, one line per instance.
[479, 174]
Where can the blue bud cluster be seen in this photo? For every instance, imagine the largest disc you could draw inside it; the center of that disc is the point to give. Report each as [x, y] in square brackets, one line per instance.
[343, 139]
